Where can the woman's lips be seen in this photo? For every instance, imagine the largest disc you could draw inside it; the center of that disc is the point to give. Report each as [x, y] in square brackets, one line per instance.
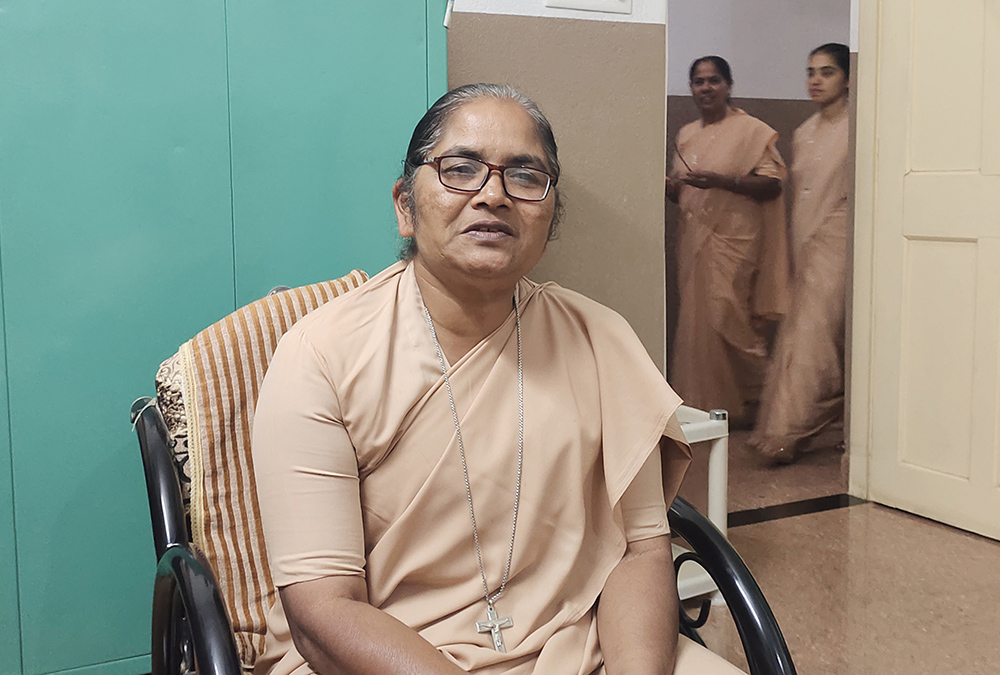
[487, 235]
[489, 231]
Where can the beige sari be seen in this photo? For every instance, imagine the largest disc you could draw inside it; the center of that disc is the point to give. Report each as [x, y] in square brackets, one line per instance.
[358, 471]
[732, 264]
[804, 391]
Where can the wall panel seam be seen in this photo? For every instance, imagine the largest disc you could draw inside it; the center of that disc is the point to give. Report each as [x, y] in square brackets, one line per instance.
[10, 453]
[232, 173]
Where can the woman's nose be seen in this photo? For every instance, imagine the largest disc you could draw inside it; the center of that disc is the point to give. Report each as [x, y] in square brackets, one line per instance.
[493, 188]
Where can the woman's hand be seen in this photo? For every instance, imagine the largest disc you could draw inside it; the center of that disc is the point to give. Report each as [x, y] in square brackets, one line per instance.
[673, 188]
[760, 188]
[705, 180]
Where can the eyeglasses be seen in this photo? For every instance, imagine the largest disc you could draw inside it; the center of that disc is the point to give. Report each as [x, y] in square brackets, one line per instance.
[466, 174]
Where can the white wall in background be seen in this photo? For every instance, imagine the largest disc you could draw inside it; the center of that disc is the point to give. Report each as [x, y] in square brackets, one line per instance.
[765, 41]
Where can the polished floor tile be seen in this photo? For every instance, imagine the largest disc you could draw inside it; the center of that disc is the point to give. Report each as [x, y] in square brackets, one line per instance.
[754, 483]
[871, 590]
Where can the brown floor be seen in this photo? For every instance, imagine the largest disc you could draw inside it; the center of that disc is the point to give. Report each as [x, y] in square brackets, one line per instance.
[862, 589]
[754, 483]
[868, 589]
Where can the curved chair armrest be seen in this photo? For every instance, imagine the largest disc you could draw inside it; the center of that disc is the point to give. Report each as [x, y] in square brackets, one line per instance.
[166, 505]
[763, 643]
[189, 618]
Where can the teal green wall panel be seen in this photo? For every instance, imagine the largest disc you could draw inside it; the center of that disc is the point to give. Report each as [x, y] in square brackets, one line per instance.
[324, 97]
[10, 623]
[116, 239]
[160, 162]
[136, 664]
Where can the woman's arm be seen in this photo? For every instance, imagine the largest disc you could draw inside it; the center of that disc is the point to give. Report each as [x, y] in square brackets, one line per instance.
[308, 487]
[637, 614]
[760, 188]
[339, 633]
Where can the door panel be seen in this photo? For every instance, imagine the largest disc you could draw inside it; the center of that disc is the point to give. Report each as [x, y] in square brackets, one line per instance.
[114, 185]
[934, 410]
[937, 355]
[947, 85]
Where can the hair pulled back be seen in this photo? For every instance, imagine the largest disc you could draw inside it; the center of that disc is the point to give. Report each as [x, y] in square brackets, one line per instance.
[840, 54]
[720, 64]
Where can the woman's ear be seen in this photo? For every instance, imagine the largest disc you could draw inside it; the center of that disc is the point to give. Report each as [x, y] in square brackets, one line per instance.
[402, 202]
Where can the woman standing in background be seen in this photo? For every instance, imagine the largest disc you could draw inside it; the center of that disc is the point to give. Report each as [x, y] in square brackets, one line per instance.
[804, 391]
[732, 255]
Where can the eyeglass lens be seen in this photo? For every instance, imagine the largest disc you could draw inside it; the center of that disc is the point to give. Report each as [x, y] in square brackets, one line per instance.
[470, 175]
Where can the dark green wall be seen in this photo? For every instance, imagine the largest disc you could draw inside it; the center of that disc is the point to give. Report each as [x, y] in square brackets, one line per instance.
[160, 164]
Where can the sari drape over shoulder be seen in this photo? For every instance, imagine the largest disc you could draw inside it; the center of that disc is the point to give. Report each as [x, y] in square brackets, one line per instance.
[804, 390]
[359, 472]
[732, 264]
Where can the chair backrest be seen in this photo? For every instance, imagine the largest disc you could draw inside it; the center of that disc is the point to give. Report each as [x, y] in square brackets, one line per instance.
[207, 393]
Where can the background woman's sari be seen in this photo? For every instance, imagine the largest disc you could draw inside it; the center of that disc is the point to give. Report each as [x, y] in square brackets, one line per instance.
[732, 264]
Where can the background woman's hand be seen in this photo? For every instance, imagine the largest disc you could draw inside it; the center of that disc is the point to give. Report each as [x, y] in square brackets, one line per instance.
[704, 180]
[673, 188]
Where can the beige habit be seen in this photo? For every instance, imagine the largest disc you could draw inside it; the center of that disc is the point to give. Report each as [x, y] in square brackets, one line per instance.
[732, 259]
[804, 390]
[358, 471]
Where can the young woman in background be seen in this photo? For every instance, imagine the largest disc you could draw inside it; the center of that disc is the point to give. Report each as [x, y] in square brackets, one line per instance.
[804, 390]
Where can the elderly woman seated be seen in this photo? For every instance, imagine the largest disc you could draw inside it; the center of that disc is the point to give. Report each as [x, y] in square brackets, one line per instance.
[461, 470]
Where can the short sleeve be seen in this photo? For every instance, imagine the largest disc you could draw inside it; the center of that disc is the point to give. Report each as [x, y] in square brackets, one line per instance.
[771, 164]
[306, 470]
[677, 167]
[644, 509]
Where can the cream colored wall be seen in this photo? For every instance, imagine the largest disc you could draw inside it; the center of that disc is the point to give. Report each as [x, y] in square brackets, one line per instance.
[602, 85]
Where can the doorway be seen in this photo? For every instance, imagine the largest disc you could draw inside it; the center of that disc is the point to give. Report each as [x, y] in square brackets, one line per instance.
[769, 84]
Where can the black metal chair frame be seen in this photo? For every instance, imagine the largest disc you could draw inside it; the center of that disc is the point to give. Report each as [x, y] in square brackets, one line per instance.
[191, 632]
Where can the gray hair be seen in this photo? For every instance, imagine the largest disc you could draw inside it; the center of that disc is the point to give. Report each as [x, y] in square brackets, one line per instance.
[431, 127]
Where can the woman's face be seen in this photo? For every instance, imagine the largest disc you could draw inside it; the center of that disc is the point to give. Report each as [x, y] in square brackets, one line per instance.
[486, 234]
[826, 81]
[709, 89]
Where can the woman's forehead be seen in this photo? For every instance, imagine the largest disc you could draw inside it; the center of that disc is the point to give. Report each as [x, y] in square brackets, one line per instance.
[491, 122]
[706, 69]
[820, 60]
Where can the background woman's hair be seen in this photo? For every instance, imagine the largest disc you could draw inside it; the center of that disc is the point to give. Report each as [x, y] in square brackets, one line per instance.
[839, 53]
[431, 127]
[720, 64]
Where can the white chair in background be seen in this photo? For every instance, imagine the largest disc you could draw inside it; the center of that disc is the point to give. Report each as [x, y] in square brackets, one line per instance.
[706, 429]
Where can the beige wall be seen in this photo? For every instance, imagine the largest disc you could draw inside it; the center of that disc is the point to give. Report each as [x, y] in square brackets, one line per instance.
[602, 85]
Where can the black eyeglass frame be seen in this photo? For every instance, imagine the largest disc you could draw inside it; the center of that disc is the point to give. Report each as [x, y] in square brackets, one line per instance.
[501, 168]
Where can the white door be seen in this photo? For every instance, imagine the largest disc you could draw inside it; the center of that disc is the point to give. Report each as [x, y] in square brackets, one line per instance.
[926, 340]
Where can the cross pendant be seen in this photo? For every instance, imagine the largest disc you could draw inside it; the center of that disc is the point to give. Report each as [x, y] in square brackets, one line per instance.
[494, 624]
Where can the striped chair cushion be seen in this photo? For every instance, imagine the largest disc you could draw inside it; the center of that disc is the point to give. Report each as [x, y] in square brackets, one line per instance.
[221, 369]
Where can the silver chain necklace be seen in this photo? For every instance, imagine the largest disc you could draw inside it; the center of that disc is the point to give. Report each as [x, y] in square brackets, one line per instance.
[494, 623]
